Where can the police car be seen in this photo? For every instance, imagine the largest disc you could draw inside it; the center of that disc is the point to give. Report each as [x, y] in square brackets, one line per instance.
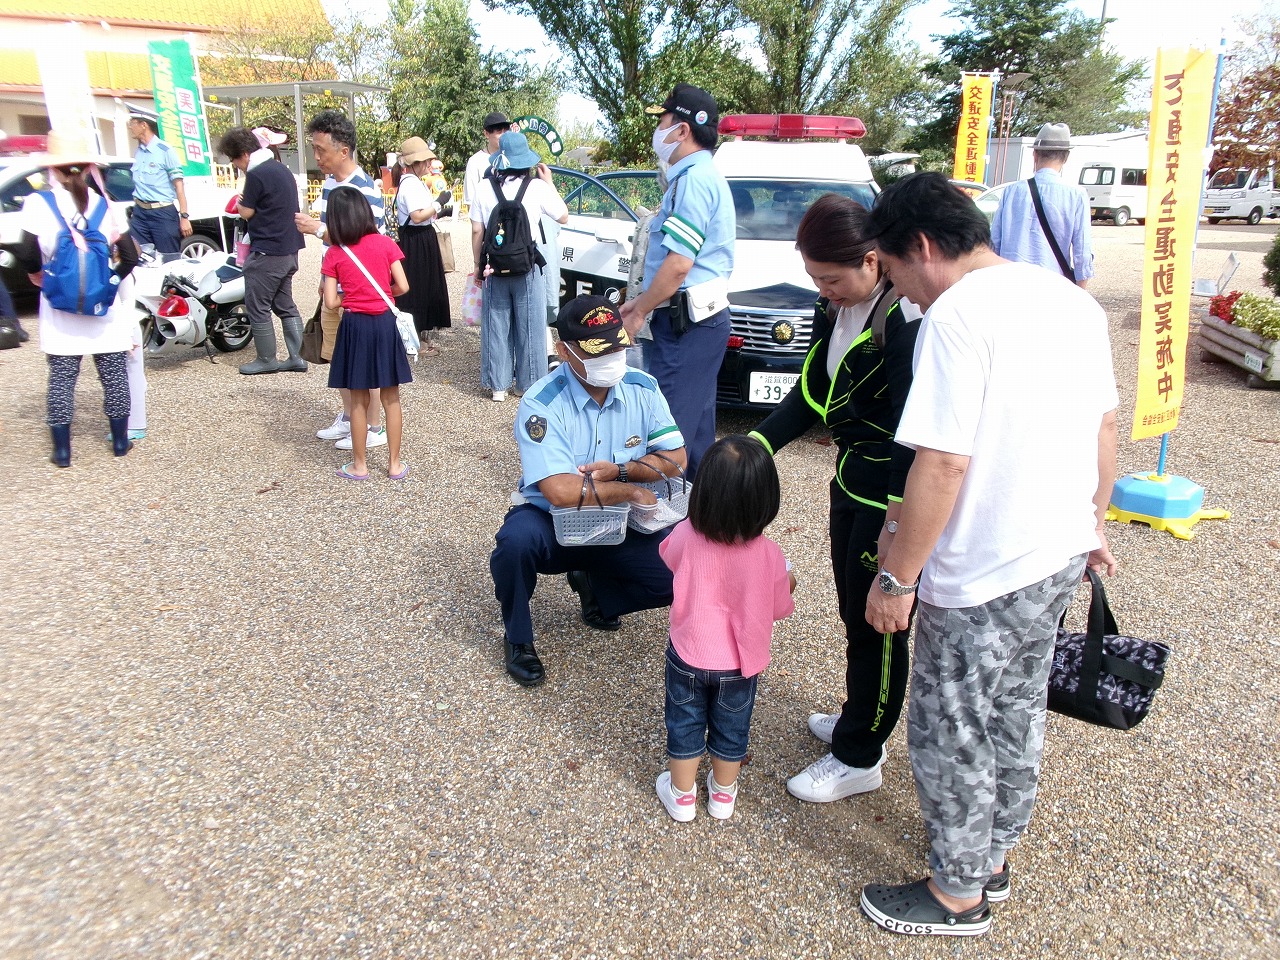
[776, 165]
[19, 177]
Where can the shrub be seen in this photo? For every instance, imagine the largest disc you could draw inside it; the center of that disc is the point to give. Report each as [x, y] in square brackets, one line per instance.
[1271, 267]
[1259, 314]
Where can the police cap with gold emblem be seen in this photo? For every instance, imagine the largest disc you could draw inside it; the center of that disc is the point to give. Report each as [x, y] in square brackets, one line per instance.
[593, 324]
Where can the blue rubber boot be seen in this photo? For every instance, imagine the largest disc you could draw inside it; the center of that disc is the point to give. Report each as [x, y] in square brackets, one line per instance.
[61, 456]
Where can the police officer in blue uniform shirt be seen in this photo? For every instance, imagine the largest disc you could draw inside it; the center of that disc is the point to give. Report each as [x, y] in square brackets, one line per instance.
[157, 183]
[593, 420]
[687, 267]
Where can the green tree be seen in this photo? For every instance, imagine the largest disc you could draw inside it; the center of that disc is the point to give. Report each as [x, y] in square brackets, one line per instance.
[626, 55]
[1073, 77]
[829, 56]
[440, 84]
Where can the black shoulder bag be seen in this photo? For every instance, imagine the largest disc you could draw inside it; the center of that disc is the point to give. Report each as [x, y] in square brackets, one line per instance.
[1044, 225]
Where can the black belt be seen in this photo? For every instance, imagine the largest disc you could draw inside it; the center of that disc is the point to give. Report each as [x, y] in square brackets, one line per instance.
[157, 205]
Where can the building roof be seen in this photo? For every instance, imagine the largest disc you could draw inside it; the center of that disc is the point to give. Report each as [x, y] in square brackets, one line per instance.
[184, 14]
[108, 72]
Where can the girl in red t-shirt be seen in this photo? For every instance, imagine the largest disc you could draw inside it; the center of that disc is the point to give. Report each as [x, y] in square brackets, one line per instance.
[368, 354]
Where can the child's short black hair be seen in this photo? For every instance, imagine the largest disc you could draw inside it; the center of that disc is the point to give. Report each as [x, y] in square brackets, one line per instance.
[348, 216]
[737, 494]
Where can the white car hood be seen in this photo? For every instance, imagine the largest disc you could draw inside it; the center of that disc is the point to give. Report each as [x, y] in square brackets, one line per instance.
[764, 263]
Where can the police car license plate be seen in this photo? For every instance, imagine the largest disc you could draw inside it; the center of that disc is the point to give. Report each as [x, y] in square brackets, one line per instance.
[770, 387]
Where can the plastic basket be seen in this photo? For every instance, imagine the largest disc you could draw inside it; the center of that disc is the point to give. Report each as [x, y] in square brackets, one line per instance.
[590, 526]
[671, 508]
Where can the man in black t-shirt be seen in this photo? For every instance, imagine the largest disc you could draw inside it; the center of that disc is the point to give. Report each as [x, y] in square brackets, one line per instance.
[268, 203]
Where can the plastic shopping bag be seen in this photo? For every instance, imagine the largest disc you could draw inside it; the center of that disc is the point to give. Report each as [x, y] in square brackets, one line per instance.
[471, 303]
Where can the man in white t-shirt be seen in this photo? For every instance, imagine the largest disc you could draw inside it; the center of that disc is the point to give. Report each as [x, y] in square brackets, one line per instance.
[495, 125]
[1012, 417]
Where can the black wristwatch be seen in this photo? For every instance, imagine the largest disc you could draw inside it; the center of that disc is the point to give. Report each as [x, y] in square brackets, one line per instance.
[622, 473]
[185, 216]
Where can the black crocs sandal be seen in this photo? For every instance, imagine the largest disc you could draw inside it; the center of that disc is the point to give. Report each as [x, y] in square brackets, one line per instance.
[997, 886]
[913, 910]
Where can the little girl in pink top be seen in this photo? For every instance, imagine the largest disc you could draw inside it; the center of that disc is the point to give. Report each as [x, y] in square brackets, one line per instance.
[731, 584]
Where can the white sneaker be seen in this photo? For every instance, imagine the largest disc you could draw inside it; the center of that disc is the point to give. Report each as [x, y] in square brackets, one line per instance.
[341, 428]
[374, 438]
[823, 725]
[499, 396]
[682, 807]
[720, 800]
[828, 779]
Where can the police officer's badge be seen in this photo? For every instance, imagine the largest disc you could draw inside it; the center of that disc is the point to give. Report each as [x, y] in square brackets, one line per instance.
[633, 441]
[536, 428]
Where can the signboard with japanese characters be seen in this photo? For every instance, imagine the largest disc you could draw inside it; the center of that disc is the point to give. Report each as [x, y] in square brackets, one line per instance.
[1180, 106]
[176, 87]
[975, 126]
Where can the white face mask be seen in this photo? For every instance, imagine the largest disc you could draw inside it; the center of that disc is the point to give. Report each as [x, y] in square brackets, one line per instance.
[606, 371]
[663, 149]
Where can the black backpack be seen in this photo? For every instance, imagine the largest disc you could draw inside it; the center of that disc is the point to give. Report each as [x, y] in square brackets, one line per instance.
[508, 242]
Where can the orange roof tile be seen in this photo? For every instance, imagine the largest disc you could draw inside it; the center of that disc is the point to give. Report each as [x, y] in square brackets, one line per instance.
[107, 71]
[192, 14]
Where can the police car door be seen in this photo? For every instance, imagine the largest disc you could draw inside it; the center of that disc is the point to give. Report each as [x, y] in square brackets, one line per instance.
[595, 245]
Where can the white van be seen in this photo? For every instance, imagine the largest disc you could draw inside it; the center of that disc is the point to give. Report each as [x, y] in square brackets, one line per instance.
[1240, 193]
[1117, 193]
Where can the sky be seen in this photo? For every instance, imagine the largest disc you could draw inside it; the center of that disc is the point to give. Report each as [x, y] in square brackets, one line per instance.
[1140, 27]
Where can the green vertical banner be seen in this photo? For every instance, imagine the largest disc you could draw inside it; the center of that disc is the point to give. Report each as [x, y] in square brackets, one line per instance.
[176, 88]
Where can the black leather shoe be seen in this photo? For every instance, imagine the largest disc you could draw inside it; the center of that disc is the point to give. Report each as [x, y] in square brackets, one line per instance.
[523, 664]
[591, 614]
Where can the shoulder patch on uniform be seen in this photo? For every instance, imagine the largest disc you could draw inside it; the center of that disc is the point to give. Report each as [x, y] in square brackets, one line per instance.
[640, 379]
[551, 390]
[536, 428]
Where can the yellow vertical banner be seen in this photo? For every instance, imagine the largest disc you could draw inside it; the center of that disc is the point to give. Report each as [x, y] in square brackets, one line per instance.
[1181, 100]
[974, 129]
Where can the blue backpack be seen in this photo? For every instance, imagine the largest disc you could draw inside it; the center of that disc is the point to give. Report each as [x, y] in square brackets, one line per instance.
[75, 280]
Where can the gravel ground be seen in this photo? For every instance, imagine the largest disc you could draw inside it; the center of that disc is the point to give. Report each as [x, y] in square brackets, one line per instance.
[248, 710]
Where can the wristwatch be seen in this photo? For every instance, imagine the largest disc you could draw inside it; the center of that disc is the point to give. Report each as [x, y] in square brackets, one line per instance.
[185, 216]
[622, 473]
[891, 526]
[889, 584]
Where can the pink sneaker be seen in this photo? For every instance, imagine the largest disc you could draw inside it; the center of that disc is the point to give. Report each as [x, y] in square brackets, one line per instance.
[720, 800]
[682, 807]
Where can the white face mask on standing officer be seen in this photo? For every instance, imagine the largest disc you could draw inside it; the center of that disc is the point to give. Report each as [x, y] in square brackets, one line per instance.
[663, 149]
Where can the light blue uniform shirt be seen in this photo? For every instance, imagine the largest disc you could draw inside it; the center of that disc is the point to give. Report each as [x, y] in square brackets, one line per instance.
[1016, 233]
[371, 189]
[696, 219]
[559, 427]
[154, 168]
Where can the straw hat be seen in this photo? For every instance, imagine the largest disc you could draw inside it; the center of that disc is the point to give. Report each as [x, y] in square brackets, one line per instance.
[415, 149]
[75, 149]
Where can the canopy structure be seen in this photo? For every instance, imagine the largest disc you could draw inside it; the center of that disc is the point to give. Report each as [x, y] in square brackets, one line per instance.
[234, 96]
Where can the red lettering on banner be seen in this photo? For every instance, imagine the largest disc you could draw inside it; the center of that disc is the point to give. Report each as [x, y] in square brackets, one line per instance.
[1162, 281]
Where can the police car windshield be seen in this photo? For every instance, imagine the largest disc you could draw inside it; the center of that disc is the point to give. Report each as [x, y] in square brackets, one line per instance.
[771, 209]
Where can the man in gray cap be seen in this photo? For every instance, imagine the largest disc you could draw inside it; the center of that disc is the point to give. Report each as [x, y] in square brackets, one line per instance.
[1044, 220]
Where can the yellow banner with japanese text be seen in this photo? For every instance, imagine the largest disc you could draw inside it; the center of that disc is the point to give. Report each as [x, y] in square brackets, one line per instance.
[974, 129]
[1181, 98]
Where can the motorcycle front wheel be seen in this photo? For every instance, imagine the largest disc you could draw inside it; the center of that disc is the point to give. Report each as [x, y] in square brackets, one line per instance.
[232, 331]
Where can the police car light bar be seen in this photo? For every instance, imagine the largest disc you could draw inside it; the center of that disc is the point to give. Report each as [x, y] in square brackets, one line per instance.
[791, 126]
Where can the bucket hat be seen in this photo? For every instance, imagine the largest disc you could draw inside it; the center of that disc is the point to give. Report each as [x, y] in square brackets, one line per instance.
[415, 149]
[514, 153]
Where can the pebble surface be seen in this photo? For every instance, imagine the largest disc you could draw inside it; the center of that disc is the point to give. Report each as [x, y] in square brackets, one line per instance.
[248, 710]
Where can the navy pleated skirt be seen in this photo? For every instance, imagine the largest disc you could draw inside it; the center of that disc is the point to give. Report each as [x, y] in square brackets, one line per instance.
[368, 354]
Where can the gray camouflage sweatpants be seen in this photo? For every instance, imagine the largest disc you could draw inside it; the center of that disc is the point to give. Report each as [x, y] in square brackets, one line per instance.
[975, 723]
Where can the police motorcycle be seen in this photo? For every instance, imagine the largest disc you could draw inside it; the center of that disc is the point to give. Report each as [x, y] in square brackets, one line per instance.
[190, 302]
